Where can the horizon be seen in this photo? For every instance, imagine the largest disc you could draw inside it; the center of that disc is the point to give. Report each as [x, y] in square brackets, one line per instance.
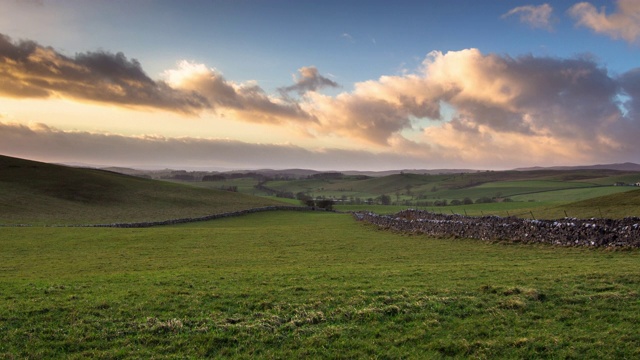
[409, 170]
[331, 86]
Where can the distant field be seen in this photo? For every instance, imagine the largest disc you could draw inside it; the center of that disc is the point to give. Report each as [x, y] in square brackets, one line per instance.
[538, 193]
[544, 189]
[610, 202]
[510, 189]
[571, 195]
[296, 285]
[244, 185]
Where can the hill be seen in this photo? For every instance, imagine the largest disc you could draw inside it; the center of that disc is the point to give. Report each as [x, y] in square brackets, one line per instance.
[628, 166]
[39, 193]
[504, 193]
[613, 205]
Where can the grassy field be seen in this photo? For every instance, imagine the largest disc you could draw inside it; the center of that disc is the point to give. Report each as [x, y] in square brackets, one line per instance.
[244, 185]
[532, 190]
[38, 193]
[536, 193]
[276, 285]
[601, 202]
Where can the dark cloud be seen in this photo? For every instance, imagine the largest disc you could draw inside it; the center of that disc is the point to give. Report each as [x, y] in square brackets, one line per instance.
[28, 69]
[309, 80]
[565, 97]
[630, 83]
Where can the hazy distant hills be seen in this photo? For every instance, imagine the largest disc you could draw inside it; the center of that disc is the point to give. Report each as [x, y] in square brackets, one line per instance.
[410, 171]
[301, 173]
[628, 166]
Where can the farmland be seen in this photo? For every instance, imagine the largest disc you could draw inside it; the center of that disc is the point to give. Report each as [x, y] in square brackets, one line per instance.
[313, 284]
[534, 193]
[291, 284]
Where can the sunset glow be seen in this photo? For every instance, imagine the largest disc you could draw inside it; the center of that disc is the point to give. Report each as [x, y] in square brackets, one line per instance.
[356, 85]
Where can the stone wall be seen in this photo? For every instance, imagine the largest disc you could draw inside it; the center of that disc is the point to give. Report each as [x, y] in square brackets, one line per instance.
[565, 232]
[202, 218]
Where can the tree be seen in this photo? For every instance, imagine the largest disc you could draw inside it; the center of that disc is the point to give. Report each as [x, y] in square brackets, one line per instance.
[385, 199]
[440, 203]
[302, 196]
[213, 178]
[325, 204]
[484, 200]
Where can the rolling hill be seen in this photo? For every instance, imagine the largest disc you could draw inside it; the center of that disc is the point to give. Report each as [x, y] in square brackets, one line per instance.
[39, 193]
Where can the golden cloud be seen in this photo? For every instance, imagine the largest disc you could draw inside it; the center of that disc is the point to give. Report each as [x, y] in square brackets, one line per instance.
[622, 24]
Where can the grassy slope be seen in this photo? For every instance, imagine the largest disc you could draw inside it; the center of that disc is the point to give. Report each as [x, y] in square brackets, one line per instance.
[244, 185]
[458, 186]
[273, 285]
[620, 205]
[39, 193]
[541, 192]
[608, 202]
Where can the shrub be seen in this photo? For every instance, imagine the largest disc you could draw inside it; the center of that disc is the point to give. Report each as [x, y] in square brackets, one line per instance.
[440, 203]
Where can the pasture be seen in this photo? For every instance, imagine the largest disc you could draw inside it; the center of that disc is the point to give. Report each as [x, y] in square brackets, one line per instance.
[44, 194]
[537, 193]
[307, 284]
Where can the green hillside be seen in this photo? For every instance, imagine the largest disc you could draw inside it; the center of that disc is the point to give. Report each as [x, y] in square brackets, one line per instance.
[538, 188]
[39, 193]
[613, 205]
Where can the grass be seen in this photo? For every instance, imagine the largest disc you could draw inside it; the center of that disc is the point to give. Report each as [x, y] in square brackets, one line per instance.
[38, 193]
[244, 185]
[541, 189]
[608, 202]
[276, 285]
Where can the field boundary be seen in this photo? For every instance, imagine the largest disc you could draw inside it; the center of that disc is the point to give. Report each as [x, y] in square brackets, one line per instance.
[623, 233]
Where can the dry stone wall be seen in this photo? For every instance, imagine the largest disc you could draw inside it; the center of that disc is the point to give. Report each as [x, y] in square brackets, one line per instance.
[202, 218]
[565, 232]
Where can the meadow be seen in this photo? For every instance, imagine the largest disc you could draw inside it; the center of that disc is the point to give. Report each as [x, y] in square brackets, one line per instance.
[307, 284]
[36, 193]
[304, 284]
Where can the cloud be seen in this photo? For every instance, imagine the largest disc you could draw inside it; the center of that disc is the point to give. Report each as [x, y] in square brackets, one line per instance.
[40, 141]
[499, 107]
[309, 80]
[460, 108]
[535, 16]
[622, 24]
[347, 37]
[246, 101]
[28, 69]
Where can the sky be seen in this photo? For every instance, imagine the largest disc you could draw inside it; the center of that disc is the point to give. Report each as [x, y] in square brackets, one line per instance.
[325, 85]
